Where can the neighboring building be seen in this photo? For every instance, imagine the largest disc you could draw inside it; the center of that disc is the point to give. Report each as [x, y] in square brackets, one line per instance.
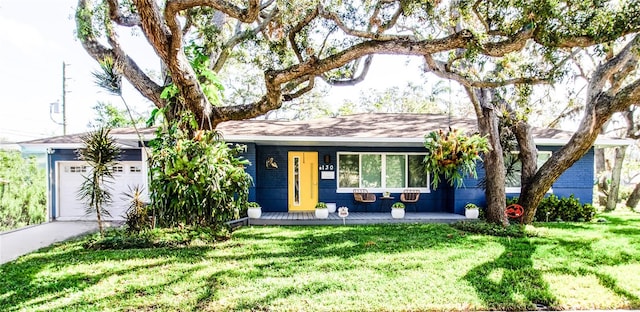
[297, 163]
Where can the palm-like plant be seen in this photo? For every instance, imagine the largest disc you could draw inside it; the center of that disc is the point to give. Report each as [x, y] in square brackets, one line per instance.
[101, 153]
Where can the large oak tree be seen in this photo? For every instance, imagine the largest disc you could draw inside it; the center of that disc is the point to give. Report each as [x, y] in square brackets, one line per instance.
[291, 44]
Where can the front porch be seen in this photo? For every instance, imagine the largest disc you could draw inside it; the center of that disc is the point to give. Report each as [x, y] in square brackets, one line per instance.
[308, 218]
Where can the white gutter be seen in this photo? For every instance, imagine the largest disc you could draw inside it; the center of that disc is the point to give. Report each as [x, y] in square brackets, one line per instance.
[318, 141]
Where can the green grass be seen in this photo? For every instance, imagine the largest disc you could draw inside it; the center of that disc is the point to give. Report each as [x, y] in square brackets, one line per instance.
[352, 268]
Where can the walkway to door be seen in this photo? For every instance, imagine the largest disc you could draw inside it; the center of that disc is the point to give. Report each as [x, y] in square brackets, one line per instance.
[308, 218]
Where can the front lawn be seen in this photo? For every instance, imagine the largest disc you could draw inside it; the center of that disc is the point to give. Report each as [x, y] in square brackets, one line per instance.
[352, 268]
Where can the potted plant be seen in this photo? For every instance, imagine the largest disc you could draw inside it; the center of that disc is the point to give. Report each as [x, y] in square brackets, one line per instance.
[254, 211]
[397, 210]
[332, 207]
[471, 211]
[322, 212]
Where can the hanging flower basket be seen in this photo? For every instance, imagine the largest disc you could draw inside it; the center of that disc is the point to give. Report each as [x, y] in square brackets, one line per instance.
[453, 154]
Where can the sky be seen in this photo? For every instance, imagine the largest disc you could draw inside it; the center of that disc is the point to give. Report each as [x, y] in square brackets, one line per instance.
[38, 36]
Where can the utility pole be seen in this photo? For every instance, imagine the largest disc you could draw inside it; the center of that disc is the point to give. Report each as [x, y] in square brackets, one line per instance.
[64, 99]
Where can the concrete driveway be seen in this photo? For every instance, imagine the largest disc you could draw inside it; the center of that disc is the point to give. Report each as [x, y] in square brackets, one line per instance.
[14, 244]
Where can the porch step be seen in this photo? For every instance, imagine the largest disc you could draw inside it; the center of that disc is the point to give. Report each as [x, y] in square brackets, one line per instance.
[308, 218]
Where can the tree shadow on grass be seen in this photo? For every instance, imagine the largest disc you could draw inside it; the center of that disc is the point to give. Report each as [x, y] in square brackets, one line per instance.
[31, 281]
[591, 262]
[24, 286]
[296, 250]
[510, 282]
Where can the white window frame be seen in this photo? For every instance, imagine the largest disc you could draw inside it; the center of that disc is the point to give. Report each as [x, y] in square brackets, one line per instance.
[517, 189]
[382, 173]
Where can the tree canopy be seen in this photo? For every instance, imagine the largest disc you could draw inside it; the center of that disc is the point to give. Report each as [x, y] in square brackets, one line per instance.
[495, 49]
[291, 44]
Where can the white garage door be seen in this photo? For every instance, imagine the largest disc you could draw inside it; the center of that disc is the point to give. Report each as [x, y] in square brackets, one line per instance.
[71, 175]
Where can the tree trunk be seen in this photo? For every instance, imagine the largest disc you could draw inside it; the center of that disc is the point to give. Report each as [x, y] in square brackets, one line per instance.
[634, 198]
[97, 200]
[528, 152]
[599, 159]
[493, 161]
[612, 199]
[598, 110]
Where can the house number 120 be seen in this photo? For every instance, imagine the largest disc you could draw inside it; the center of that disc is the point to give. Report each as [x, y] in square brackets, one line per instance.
[325, 167]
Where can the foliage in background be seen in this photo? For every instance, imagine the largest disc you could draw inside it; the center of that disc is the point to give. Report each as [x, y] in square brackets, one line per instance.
[552, 208]
[101, 153]
[22, 191]
[109, 115]
[196, 179]
[453, 155]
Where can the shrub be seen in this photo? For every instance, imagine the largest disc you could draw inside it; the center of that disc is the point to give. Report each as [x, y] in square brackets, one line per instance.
[553, 208]
[156, 238]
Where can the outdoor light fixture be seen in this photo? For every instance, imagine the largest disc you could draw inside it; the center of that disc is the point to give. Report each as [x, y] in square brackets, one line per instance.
[327, 159]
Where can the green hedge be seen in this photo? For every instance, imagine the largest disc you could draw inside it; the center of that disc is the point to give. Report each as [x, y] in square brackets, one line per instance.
[554, 208]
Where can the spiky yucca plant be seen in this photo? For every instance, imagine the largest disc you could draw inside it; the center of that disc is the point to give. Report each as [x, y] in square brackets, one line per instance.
[101, 153]
[138, 212]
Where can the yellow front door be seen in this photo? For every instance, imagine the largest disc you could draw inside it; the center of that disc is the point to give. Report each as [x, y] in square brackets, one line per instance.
[303, 181]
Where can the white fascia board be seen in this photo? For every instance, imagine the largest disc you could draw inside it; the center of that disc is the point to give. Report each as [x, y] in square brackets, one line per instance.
[362, 141]
[44, 147]
[611, 142]
[599, 142]
[549, 142]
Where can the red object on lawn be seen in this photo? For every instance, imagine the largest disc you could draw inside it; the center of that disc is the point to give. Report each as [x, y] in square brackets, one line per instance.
[514, 211]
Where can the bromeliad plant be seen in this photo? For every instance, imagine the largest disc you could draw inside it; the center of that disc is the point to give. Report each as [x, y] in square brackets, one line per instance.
[196, 178]
[453, 154]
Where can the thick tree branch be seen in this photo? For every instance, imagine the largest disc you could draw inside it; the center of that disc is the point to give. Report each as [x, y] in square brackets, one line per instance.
[248, 15]
[154, 28]
[512, 43]
[297, 28]
[238, 38]
[145, 85]
[359, 33]
[438, 68]
[116, 15]
[300, 92]
[352, 81]
[603, 73]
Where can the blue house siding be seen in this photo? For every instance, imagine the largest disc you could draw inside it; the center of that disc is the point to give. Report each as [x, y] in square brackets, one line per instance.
[270, 186]
[577, 180]
[250, 155]
[272, 192]
[57, 155]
